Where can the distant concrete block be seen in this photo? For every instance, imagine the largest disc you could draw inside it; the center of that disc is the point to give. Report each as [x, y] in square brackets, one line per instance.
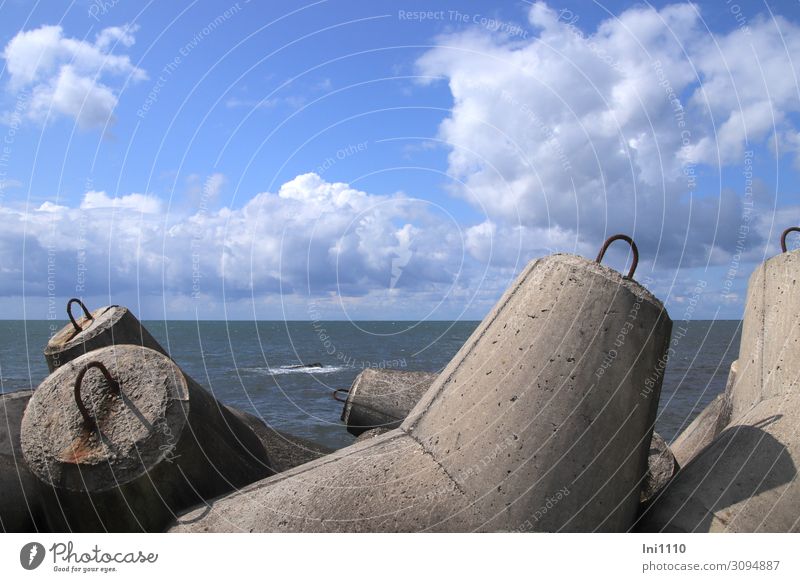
[106, 326]
[383, 398]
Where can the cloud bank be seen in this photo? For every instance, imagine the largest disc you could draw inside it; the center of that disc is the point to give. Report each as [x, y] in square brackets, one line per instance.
[312, 239]
[625, 129]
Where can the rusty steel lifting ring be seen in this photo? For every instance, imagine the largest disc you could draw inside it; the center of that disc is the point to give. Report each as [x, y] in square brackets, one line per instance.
[87, 418]
[335, 392]
[786, 232]
[628, 240]
[72, 318]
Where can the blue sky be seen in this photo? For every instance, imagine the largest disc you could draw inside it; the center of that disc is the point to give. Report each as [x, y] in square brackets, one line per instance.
[388, 159]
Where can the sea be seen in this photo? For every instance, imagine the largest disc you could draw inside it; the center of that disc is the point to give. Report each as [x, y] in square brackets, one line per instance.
[254, 365]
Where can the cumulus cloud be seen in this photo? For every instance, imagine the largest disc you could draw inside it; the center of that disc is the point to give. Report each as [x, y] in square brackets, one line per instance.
[583, 134]
[311, 239]
[67, 76]
[141, 203]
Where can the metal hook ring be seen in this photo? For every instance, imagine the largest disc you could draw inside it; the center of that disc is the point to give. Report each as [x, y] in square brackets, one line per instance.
[87, 418]
[783, 236]
[335, 392]
[71, 317]
[628, 240]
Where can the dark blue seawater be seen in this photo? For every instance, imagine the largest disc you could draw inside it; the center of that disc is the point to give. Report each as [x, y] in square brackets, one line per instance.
[248, 364]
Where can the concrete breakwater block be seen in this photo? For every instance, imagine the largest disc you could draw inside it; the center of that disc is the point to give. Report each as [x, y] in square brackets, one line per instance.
[106, 326]
[121, 440]
[285, 451]
[745, 481]
[371, 434]
[12, 407]
[707, 425]
[20, 509]
[383, 398]
[768, 354]
[661, 462]
[661, 468]
[541, 422]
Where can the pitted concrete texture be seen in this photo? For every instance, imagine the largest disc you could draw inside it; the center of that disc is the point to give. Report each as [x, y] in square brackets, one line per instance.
[559, 385]
[285, 451]
[111, 325]
[745, 481]
[20, 510]
[387, 484]
[134, 430]
[707, 425]
[553, 397]
[661, 468]
[661, 463]
[162, 444]
[768, 361]
[371, 434]
[383, 398]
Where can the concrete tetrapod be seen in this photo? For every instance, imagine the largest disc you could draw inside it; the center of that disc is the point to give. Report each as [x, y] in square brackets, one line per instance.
[770, 334]
[125, 440]
[553, 396]
[745, 481]
[707, 425]
[285, 451]
[383, 398]
[661, 468]
[107, 326]
[20, 509]
[372, 399]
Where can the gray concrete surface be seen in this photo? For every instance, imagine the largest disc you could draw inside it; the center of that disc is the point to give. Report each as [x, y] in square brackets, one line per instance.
[661, 468]
[20, 508]
[770, 342]
[541, 422]
[161, 444]
[707, 425]
[383, 398]
[285, 451]
[745, 481]
[111, 325]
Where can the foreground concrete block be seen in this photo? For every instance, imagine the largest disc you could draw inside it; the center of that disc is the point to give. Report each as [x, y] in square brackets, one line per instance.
[661, 462]
[371, 434]
[745, 481]
[707, 425]
[107, 326]
[20, 509]
[770, 334]
[128, 450]
[383, 398]
[556, 391]
[12, 407]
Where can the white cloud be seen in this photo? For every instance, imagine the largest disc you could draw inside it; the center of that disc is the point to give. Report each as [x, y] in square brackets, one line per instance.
[311, 239]
[141, 203]
[591, 134]
[65, 75]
